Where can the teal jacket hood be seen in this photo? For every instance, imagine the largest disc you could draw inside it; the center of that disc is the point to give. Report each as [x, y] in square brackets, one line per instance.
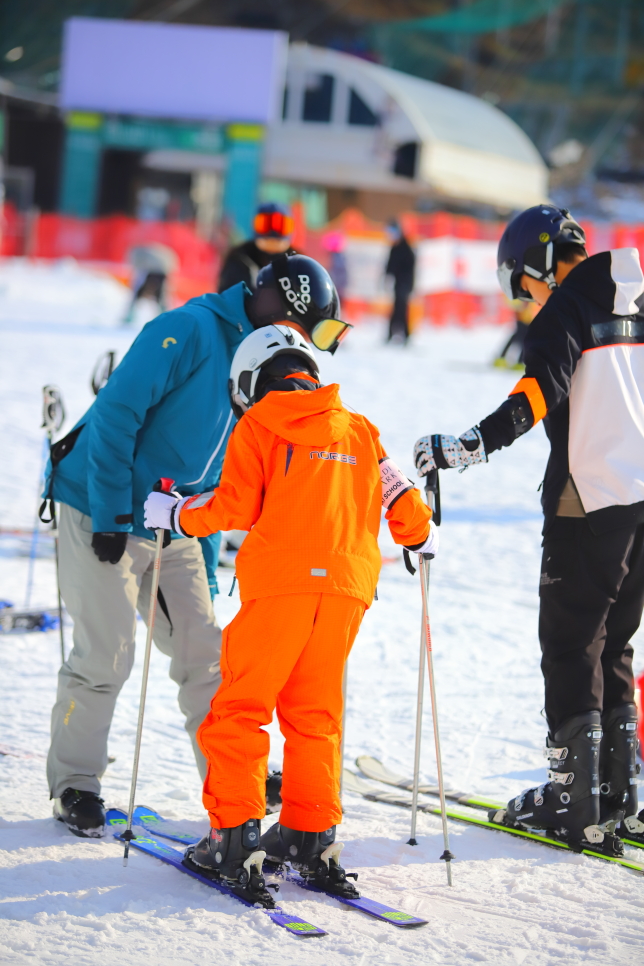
[164, 412]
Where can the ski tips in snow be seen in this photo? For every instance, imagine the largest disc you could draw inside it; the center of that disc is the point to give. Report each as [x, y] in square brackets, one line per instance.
[152, 821]
[144, 842]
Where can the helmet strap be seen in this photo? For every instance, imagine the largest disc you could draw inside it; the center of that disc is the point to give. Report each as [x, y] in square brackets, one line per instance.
[548, 275]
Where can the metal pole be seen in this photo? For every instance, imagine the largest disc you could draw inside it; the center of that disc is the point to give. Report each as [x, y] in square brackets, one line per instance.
[424, 583]
[344, 721]
[432, 496]
[127, 835]
[419, 725]
[60, 606]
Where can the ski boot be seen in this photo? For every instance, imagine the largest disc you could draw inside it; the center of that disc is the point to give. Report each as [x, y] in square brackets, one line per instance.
[82, 812]
[618, 770]
[568, 804]
[315, 855]
[273, 792]
[233, 857]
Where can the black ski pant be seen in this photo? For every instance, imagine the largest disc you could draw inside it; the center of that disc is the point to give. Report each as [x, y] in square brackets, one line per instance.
[399, 321]
[592, 595]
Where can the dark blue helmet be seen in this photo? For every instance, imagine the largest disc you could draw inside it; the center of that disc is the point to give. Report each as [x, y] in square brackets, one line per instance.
[528, 245]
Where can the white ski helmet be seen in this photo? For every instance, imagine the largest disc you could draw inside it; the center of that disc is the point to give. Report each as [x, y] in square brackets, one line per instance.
[257, 352]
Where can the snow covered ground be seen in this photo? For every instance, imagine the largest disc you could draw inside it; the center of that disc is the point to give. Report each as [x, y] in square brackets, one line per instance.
[65, 900]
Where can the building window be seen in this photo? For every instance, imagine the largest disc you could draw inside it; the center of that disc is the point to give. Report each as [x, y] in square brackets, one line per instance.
[359, 112]
[318, 98]
[405, 158]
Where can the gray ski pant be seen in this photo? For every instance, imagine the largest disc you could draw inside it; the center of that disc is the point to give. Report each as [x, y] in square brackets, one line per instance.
[103, 599]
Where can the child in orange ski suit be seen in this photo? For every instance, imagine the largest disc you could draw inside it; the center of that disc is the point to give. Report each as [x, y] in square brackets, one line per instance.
[304, 476]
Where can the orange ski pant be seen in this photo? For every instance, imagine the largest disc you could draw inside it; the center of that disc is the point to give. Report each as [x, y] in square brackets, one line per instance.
[286, 653]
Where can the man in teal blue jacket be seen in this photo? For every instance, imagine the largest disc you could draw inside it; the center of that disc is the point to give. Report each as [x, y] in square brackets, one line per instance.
[165, 412]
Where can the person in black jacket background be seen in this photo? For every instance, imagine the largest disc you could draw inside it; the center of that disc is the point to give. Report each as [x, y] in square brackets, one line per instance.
[401, 265]
[584, 376]
[273, 228]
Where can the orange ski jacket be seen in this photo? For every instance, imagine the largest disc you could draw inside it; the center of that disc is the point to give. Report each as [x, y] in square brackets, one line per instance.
[302, 474]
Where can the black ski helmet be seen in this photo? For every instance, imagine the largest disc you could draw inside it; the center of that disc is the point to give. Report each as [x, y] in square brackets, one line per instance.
[295, 288]
[528, 246]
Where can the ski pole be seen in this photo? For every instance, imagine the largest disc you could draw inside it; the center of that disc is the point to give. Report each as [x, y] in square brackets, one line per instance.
[433, 498]
[419, 728]
[35, 533]
[432, 493]
[53, 417]
[163, 485]
[424, 582]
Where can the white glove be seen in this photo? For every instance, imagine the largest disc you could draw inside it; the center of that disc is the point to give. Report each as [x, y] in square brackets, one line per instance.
[158, 511]
[431, 544]
[445, 452]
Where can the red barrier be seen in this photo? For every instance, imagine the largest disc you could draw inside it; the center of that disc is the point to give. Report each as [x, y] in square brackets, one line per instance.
[108, 240]
[639, 698]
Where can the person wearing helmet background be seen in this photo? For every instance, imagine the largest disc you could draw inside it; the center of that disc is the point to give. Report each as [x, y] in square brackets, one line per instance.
[165, 408]
[273, 227]
[584, 377]
[309, 480]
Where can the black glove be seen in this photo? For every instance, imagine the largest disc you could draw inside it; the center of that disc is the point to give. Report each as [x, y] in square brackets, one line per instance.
[109, 547]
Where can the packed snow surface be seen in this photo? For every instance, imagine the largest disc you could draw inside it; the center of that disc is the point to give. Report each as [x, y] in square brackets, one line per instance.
[66, 900]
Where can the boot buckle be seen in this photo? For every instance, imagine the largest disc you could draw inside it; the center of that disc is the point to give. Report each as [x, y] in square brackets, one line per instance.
[557, 754]
[594, 834]
[332, 852]
[634, 825]
[561, 778]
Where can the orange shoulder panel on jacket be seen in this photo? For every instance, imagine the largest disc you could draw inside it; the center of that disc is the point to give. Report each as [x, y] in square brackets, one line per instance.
[532, 389]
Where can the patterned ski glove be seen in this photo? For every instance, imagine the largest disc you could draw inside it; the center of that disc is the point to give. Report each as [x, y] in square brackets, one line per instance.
[443, 452]
[431, 544]
[162, 511]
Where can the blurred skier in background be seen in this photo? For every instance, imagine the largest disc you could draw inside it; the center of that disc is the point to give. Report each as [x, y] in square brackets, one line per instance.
[273, 228]
[401, 266]
[151, 265]
[334, 243]
[584, 376]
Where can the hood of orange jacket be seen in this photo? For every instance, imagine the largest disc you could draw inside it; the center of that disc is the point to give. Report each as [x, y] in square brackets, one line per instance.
[315, 418]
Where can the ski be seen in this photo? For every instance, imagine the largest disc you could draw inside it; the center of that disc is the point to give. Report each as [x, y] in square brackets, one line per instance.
[353, 783]
[374, 769]
[160, 850]
[152, 821]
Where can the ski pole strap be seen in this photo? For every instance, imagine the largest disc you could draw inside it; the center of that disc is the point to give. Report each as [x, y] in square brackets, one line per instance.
[408, 564]
[162, 601]
[57, 452]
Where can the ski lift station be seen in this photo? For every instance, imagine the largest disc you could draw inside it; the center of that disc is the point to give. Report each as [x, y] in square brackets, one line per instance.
[213, 112]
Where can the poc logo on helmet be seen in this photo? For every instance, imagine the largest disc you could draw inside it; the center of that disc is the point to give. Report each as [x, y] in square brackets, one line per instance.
[297, 300]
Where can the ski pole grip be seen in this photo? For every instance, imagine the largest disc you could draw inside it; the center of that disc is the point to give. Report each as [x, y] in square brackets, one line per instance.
[433, 495]
[164, 485]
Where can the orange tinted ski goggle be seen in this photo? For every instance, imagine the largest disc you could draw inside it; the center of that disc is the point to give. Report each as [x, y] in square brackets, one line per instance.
[329, 333]
[273, 223]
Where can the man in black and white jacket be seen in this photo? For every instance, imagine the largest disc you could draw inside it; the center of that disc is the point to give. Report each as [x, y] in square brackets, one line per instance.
[584, 376]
